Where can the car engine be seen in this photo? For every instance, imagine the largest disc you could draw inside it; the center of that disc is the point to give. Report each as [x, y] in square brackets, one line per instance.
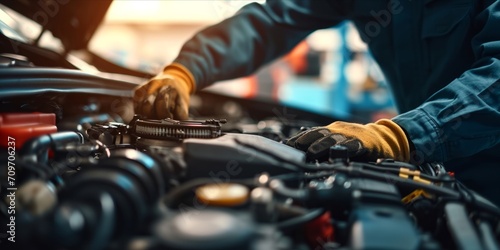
[81, 172]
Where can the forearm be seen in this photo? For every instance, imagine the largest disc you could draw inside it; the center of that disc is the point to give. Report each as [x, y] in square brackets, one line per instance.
[256, 35]
[463, 118]
[455, 124]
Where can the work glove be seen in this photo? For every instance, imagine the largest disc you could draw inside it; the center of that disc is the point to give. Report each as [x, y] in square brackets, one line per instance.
[165, 95]
[382, 139]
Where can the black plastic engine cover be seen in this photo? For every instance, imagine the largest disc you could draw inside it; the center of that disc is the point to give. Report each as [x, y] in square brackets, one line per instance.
[238, 156]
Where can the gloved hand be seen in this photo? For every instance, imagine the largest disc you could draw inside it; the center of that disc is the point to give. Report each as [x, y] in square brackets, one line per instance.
[382, 139]
[165, 95]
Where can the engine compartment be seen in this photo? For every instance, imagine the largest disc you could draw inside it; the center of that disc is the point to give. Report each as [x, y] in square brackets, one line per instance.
[103, 183]
[81, 171]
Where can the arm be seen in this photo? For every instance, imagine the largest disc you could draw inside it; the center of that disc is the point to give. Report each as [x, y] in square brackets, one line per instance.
[462, 118]
[232, 48]
[256, 35]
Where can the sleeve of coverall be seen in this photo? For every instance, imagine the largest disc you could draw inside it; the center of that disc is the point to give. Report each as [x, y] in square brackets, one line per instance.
[254, 36]
[462, 118]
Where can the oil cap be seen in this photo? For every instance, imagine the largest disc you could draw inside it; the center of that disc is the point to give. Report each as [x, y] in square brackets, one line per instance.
[222, 194]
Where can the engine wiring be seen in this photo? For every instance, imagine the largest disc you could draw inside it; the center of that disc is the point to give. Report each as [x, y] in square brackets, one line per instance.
[449, 193]
[145, 186]
[400, 177]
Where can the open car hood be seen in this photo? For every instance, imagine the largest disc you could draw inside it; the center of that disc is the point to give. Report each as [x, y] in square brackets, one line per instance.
[74, 22]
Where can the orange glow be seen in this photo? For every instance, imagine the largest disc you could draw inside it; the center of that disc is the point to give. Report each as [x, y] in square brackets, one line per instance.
[172, 11]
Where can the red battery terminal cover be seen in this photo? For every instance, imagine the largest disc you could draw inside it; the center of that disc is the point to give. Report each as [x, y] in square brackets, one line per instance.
[24, 126]
[320, 231]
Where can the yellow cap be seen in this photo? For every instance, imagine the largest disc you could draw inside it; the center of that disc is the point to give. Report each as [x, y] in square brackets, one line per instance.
[222, 194]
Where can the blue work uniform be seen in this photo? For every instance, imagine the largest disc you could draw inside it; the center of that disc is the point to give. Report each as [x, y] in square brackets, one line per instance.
[441, 58]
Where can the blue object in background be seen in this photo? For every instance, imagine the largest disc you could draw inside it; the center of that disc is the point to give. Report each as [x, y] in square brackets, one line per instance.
[324, 98]
[331, 98]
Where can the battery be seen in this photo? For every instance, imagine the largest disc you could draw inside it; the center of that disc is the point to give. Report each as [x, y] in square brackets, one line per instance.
[24, 126]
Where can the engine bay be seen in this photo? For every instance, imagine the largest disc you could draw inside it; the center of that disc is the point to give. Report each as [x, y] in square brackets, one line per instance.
[88, 174]
[81, 171]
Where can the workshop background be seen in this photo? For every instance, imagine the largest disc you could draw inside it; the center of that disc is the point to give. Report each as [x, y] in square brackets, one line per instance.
[330, 73]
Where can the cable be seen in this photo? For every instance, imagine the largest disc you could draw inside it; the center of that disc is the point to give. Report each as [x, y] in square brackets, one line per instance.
[121, 146]
[103, 148]
[359, 172]
[300, 220]
[399, 170]
[280, 188]
[339, 167]
[403, 182]
[450, 193]
[476, 200]
[395, 164]
[398, 181]
[171, 198]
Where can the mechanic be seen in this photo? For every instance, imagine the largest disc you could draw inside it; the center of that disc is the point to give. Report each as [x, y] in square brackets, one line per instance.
[441, 58]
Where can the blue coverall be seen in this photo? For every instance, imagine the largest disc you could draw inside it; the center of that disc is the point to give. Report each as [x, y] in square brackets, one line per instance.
[441, 58]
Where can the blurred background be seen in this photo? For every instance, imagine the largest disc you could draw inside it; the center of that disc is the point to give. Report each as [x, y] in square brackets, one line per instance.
[330, 73]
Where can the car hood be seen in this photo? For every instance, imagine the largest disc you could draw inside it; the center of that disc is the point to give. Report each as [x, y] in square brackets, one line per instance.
[72, 21]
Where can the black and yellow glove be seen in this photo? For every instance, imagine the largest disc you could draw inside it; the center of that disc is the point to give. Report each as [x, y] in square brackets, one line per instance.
[165, 95]
[382, 139]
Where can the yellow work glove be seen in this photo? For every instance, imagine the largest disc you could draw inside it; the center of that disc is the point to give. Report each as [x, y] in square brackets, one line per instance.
[382, 139]
[165, 95]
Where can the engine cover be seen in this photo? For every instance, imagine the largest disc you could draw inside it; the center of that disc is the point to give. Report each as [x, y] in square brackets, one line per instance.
[239, 156]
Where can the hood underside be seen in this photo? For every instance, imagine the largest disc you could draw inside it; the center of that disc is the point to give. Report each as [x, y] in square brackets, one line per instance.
[72, 21]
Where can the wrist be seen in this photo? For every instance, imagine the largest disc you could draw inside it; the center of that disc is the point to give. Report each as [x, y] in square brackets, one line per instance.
[182, 74]
[400, 142]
